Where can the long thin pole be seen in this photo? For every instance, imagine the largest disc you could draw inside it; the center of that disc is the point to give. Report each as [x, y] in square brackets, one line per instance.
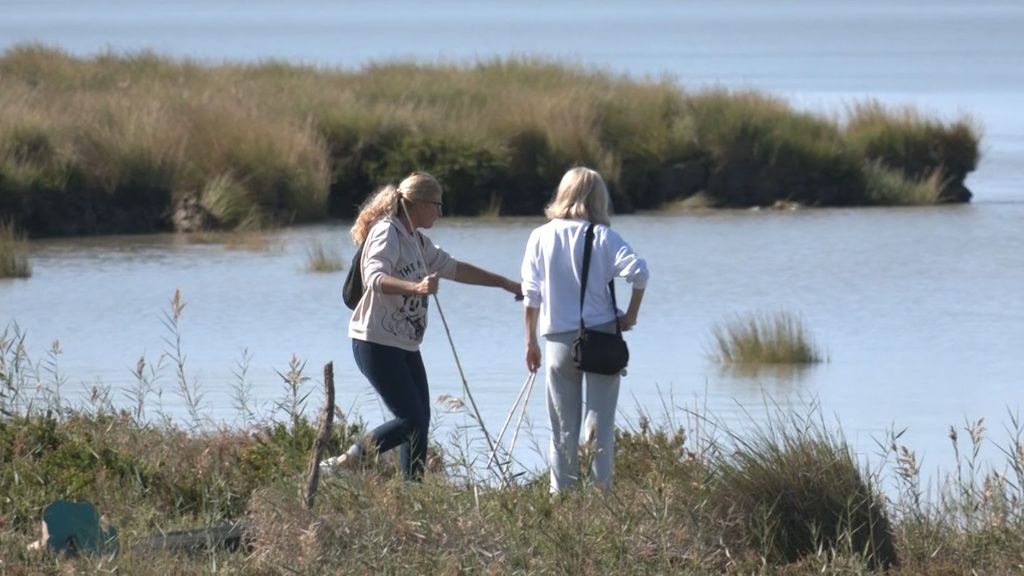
[519, 423]
[465, 383]
[511, 413]
[451, 342]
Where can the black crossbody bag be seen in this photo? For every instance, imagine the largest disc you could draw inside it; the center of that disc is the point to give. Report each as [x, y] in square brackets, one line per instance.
[593, 350]
[352, 291]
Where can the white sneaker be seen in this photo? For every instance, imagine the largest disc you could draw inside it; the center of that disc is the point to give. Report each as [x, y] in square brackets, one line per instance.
[333, 466]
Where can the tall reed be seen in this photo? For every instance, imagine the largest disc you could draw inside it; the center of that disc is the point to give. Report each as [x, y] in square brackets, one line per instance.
[13, 253]
[188, 390]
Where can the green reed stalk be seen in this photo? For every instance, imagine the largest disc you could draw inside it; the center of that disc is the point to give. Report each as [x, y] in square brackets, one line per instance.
[190, 392]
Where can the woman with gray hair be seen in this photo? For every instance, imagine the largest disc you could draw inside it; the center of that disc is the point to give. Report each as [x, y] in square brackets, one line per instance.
[552, 269]
[401, 268]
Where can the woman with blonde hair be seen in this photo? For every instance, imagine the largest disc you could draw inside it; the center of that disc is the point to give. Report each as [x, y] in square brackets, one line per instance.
[552, 280]
[401, 268]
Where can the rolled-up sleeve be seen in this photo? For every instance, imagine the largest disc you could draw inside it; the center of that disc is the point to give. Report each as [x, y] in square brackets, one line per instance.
[628, 264]
[532, 271]
[379, 257]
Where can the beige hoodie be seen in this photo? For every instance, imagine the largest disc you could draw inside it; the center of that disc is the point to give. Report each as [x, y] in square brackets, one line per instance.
[394, 319]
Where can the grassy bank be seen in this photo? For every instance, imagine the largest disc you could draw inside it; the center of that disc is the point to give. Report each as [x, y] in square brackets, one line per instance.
[787, 497]
[142, 142]
[787, 500]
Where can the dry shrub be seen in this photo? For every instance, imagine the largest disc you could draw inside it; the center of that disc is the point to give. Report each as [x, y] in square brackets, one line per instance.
[282, 532]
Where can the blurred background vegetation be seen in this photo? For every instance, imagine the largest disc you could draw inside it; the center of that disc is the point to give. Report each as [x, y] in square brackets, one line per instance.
[141, 143]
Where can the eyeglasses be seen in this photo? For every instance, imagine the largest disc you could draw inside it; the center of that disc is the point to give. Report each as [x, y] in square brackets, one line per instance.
[438, 204]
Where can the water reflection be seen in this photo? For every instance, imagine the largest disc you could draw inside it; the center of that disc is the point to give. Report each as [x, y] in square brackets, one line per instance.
[771, 376]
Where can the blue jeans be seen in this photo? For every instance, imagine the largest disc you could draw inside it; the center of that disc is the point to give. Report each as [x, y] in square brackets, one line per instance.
[401, 380]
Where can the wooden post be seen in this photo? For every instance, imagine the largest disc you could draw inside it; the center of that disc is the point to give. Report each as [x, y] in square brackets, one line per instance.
[323, 437]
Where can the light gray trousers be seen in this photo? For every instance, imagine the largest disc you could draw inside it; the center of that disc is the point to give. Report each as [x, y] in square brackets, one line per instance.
[565, 409]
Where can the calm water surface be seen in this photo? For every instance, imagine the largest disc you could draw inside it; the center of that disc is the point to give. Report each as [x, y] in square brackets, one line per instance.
[919, 310]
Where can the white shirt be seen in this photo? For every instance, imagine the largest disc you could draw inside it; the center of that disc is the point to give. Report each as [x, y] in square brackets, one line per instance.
[552, 267]
[395, 319]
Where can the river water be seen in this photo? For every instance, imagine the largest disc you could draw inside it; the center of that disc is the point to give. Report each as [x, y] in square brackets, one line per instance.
[919, 310]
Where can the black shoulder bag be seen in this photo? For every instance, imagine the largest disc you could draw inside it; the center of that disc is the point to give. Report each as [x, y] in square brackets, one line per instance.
[593, 350]
[352, 291]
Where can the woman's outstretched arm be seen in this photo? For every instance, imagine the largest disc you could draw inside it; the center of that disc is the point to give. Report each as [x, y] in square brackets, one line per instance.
[469, 274]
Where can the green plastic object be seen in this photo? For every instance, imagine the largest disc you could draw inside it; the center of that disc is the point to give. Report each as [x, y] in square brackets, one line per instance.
[74, 527]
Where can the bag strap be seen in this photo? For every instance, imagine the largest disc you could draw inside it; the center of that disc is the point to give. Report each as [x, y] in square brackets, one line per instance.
[588, 242]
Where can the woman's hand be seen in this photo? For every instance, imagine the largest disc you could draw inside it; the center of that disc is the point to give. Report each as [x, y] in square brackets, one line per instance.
[627, 321]
[514, 287]
[532, 356]
[427, 286]
[469, 274]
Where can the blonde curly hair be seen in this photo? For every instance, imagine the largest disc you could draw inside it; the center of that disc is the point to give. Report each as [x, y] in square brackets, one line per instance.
[384, 202]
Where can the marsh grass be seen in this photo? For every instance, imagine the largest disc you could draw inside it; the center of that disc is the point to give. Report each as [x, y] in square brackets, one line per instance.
[785, 497]
[788, 497]
[889, 187]
[764, 339]
[795, 488]
[228, 201]
[115, 142]
[13, 253]
[901, 138]
[319, 258]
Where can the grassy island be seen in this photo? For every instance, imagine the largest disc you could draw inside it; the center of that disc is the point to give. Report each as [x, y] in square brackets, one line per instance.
[140, 142]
